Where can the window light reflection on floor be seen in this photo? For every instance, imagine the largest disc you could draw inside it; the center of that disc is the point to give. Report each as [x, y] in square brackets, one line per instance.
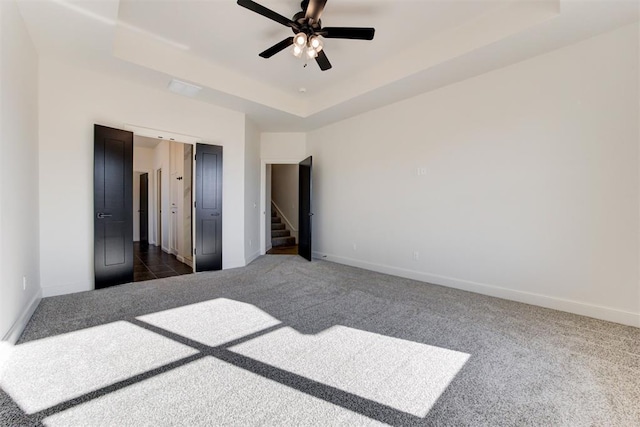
[43, 373]
[213, 322]
[404, 375]
[207, 392]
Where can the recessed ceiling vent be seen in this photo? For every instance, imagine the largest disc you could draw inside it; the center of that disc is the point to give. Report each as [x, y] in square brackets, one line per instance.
[184, 88]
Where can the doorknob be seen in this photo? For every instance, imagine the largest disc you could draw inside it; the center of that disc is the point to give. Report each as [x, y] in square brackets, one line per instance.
[310, 214]
[103, 215]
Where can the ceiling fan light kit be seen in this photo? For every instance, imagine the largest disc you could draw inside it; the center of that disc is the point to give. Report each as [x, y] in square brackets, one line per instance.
[300, 40]
[308, 30]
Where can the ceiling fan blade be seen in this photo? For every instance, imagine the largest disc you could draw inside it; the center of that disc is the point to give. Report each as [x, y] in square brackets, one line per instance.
[315, 9]
[323, 61]
[277, 48]
[353, 33]
[268, 13]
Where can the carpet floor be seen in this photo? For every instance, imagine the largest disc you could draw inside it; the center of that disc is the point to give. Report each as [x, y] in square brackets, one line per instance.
[288, 342]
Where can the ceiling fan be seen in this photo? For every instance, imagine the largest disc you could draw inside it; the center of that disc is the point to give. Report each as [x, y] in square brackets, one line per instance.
[307, 27]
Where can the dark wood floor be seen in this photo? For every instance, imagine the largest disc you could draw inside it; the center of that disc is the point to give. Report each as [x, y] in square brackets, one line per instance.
[284, 250]
[150, 262]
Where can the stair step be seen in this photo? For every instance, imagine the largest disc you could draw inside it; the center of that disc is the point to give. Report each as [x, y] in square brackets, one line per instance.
[277, 226]
[280, 233]
[275, 220]
[283, 241]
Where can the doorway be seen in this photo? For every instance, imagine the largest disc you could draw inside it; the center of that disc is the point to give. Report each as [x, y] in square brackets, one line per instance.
[286, 228]
[282, 202]
[141, 207]
[147, 183]
[170, 252]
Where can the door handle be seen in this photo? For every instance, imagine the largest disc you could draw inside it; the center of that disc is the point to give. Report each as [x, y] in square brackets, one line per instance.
[310, 214]
[215, 214]
[104, 215]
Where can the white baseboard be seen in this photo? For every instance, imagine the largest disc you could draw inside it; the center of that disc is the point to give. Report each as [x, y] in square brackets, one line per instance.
[252, 258]
[16, 329]
[165, 249]
[269, 247]
[575, 307]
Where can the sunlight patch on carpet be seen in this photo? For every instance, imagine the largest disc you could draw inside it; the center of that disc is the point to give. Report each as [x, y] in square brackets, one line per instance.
[213, 322]
[404, 375]
[207, 392]
[43, 373]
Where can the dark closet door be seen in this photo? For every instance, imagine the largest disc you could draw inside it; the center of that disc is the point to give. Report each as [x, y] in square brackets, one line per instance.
[144, 209]
[113, 206]
[208, 201]
[304, 210]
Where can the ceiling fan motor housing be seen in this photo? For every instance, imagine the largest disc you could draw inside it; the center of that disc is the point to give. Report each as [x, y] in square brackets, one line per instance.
[304, 24]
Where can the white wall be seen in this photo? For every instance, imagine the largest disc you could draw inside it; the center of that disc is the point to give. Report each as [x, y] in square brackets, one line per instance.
[521, 183]
[277, 146]
[284, 193]
[143, 158]
[19, 223]
[252, 192]
[73, 99]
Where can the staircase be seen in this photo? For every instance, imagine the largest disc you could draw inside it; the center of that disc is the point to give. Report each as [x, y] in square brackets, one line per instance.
[280, 236]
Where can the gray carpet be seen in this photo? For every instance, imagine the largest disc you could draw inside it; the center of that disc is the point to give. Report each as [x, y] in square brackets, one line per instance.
[287, 342]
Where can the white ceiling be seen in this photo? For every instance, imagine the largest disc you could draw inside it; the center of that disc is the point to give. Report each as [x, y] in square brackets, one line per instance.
[419, 46]
[232, 36]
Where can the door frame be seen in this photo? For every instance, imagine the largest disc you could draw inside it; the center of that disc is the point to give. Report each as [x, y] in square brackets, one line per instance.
[264, 204]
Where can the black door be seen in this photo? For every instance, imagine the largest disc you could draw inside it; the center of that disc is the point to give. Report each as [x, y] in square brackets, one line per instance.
[144, 209]
[304, 210]
[208, 201]
[112, 206]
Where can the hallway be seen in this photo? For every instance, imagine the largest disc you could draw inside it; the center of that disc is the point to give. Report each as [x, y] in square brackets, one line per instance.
[150, 262]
